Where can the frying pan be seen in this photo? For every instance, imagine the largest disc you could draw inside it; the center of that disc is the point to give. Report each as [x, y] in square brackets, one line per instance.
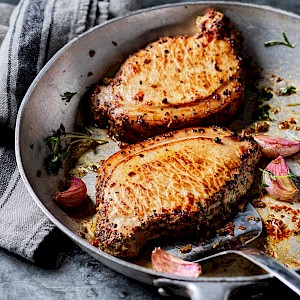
[73, 69]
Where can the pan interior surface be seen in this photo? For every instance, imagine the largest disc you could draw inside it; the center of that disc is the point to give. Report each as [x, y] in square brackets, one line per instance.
[74, 69]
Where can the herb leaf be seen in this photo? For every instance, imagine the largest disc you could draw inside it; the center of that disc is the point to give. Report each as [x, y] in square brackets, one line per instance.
[286, 42]
[67, 96]
[262, 113]
[60, 144]
[287, 91]
[265, 94]
[295, 178]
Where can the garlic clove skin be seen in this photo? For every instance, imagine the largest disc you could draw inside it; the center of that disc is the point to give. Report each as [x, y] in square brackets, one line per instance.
[278, 184]
[162, 261]
[74, 196]
[273, 147]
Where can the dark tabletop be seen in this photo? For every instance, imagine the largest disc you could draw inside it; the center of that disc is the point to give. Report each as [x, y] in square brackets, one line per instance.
[70, 273]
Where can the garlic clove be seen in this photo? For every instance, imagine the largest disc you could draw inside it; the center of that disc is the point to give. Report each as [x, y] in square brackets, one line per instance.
[272, 146]
[74, 196]
[165, 262]
[278, 183]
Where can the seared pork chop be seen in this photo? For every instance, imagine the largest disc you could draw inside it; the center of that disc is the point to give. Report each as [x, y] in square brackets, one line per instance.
[173, 83]
[170, 185]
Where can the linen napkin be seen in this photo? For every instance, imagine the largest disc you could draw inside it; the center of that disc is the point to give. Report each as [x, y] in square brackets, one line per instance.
[5, 12]
[37, 29]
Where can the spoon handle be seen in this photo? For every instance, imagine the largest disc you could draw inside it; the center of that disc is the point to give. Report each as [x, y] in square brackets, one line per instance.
[288, 276]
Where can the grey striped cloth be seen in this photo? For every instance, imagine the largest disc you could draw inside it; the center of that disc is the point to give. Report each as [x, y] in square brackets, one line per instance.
[38, 28]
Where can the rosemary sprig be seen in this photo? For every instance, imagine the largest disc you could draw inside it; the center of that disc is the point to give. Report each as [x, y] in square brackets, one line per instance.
[60, 144]
[67, 96]
[285, 42]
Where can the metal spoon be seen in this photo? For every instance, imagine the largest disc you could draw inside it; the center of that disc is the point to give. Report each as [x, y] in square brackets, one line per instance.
[247, 227]
[288, 276]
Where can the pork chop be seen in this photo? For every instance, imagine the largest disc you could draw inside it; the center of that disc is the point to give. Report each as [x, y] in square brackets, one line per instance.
[172, 184]
[175, 82]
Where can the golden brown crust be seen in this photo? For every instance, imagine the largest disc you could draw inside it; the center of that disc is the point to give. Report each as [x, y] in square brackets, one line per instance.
[175, 82]
[171, 184]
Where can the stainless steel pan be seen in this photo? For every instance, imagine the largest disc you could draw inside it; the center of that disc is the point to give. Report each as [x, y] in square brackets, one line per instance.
[73, 69]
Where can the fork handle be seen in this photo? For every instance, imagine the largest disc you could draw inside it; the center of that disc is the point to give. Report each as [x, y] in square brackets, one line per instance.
[288, 276]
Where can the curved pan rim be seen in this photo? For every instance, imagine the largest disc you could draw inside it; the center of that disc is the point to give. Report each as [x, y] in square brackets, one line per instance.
[81, 242]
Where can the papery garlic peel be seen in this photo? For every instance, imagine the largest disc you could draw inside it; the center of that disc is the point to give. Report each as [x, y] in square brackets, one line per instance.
[74, 196]
[279, 185]
[273, 147]
[162, 261]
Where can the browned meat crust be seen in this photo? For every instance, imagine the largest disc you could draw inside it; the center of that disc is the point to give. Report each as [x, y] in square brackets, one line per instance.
[175, 82]
[171, 184]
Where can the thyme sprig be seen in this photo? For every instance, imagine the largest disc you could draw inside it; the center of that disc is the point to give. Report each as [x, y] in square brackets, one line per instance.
[295, 178]
[60, 144]
[285, 42]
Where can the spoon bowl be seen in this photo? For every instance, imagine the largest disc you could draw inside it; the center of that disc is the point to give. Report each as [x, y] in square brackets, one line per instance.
[246, 227]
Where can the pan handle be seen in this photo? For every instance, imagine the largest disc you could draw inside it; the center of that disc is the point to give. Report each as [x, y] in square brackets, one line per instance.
[195, 290]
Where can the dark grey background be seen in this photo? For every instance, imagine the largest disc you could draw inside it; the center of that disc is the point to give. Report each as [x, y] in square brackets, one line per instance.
[290, 5]
[10, 1]
[72, 274]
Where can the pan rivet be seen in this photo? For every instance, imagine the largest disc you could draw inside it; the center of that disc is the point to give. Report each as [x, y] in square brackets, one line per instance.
[163, 292]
